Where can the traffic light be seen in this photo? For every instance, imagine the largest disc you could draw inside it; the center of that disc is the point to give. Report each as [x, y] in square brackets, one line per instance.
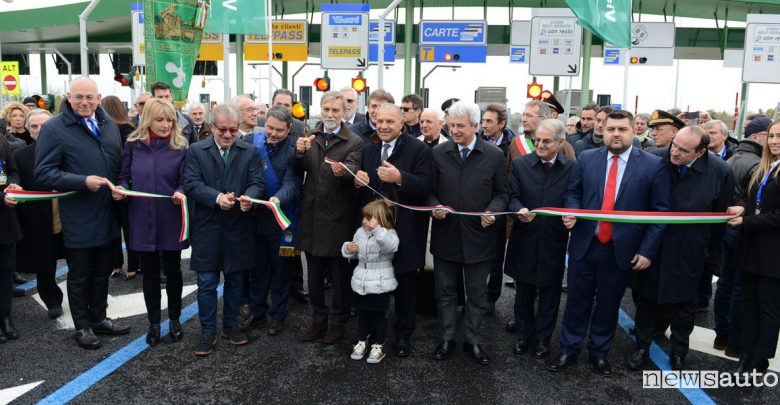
[122, 79]
[534, 91]
[636, 59]
[322, 83]
[359, 84]
[299, 110]
[449, 57]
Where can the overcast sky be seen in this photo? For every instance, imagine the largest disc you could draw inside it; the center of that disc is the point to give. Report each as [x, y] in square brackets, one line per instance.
[703, 84]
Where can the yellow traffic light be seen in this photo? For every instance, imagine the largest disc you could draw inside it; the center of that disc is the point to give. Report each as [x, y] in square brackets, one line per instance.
[534, 91]
[322, 84]
[298, 110]
[359, 84]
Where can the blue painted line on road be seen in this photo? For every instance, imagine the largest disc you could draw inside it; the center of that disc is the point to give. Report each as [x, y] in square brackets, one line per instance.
[62, 271]
[103, 369]
[696, 396]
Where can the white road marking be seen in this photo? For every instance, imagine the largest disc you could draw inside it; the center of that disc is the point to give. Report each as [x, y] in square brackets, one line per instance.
[8, 395]
[702, 338]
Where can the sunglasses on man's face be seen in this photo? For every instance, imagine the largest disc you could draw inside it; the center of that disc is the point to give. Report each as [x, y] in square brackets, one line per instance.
[406, 109]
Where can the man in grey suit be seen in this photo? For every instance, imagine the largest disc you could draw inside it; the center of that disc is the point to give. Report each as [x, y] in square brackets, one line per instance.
[468, 175]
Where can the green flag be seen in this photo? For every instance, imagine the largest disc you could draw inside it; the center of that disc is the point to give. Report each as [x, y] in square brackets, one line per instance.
[610, 20]
[172, 37]
[237, 17]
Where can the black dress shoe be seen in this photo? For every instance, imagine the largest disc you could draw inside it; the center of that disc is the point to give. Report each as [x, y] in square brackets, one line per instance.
[153, 335]
[541, 350]
[521, 346]
[301, 295]
[632, 331]
[54, 312]
[176, 333]
[8, 328]
[252, 322]
[444, 349]
[86, 339]
[403, 347]
[477, 353]
[561, 362]
[601, 365]
[18, 293]
[509, 284]
[511, 326]
[491, 310]
[677, 362]
[637, 359]
[18, 279]
[3, 339]
[110, 327]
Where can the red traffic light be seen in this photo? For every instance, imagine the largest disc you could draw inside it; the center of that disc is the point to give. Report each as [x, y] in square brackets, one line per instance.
[322, 84]
[534, 91]
[120, 78]
[359, 84]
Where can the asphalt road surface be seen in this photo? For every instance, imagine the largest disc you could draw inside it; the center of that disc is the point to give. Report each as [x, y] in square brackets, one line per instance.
[46, 366]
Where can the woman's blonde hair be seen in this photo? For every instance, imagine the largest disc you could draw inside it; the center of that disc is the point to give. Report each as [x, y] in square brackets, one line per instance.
[11, 107]
[765, 164]
[383, 211]
[152, 109]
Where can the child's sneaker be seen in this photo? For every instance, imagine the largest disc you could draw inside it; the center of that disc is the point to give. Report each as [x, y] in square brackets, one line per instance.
[359, 351]
[377, 353]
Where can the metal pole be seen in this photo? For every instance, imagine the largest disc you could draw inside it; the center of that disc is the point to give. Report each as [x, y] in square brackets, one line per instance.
[64, 59]
[239, 64]
[742, 109]
[585, 93]
[269, 32]
[556, 83]
[568, 99]
[226, 70]
[2, 89]
[408, 25]
[83, 36]
[625, 79]
[381, 44]
[284, 76]
[299, 71]
[44, 84]
[676, 82]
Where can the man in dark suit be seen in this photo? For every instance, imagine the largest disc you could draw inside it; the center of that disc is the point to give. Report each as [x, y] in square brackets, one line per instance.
[400, 168]
[284, 98]
[351, 117]
[602, 255]
[162, 91]
[197, 113]
[40, 222]
[537, 246]
[78, 150]
[367, 128]
[701, 182]
[217, 170]
[468, 175]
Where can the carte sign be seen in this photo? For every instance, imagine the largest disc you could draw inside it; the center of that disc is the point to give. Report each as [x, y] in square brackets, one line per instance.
[344, 36]
[453, 41]
[289, 42]
[761, 62]
[555, 46]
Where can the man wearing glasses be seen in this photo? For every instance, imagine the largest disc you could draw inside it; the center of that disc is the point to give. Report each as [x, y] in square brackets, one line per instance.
[412, 107]
[284, 98]
[78, 150]
[162, 91]
[534, 113]
[351, 116]
[218, 170]
[140, 101]
[248, 111]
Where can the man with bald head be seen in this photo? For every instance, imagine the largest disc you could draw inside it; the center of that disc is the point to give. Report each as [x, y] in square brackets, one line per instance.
[78, 150]
[248, 121]
[400, 168]
[431, 122]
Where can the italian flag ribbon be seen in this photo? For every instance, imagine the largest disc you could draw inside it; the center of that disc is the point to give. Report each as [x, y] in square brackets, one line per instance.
[631, 217]
[524, 145]
[25, 195]
[184, 234]
[279, 216]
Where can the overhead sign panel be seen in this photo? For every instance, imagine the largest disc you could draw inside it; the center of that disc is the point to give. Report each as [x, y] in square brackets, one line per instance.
[389, 41]
[555, 46]
[519, 41]
[137, 29]
[290, 42]
[652, 45]
[211, 47]
[453, 41]
[453, 32]
[761, 63]
[344, 36]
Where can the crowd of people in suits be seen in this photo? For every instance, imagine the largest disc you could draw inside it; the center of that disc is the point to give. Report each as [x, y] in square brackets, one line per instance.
[364, 172]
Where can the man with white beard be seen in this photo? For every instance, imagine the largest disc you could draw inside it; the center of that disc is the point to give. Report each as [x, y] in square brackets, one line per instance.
[328, 213]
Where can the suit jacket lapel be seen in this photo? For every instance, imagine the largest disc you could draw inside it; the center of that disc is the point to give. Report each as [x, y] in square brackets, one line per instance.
[601, 166]
[214, 151]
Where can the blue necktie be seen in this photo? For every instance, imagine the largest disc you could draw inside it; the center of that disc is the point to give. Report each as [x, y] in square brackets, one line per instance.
[683, 169]
[464, 153]
[91, 125]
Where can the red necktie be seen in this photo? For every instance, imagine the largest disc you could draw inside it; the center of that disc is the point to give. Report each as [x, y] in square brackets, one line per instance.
[608, 203]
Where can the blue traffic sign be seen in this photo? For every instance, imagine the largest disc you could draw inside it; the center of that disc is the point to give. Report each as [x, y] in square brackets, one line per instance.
[453, 54]
[373, 32]
[618, 106]
[518, 54]
[373, 53]
[453, 32]
[611, 56]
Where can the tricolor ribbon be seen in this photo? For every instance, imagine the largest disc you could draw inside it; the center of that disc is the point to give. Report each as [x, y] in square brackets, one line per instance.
[184, 234]
[632, 217]
[25, 195]
[524, 144]
[281, 219]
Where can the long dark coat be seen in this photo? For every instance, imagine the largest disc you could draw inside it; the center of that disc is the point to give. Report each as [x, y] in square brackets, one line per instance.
[222, 240]
[760, 233]
[328, 202]
[38, 248]
[537, 250]
[413, 160]
[10, 232]
[674, 275]
[477, 183]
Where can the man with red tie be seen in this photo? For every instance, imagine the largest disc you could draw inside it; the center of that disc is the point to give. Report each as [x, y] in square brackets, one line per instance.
[603, 255]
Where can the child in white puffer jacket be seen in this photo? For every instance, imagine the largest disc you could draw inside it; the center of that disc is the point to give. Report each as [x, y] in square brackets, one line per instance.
[374, 246]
